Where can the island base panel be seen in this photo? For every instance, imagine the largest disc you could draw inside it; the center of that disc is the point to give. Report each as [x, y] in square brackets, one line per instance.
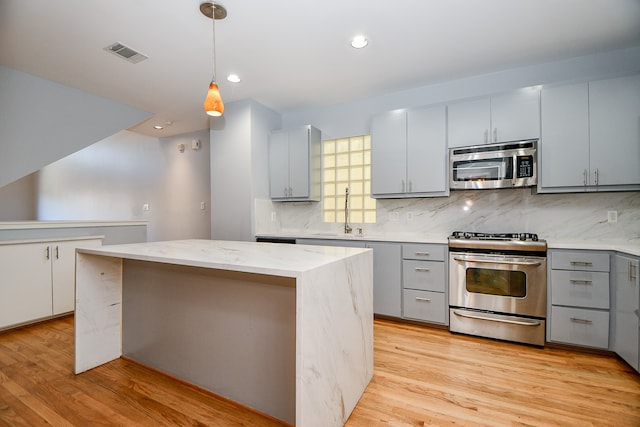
[228, 332]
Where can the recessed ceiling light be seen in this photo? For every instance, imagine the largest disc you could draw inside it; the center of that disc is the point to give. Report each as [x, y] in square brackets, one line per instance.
[233, 78]
[158, 127]
[359, 42]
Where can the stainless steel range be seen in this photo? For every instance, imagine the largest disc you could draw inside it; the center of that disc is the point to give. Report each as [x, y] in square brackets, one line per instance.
[498, 286]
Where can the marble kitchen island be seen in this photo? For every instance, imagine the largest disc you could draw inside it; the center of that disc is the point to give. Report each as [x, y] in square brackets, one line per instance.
[284, 329]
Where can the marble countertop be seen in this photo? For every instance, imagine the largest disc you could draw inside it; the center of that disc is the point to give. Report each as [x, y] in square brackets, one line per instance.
[628, 247]
[21, 225]
[249, 257]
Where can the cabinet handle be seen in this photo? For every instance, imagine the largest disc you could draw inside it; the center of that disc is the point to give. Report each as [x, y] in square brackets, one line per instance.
[48, 255]
[578, 320]
[423, 269]
[423, 299]
[486, 136]
[580, 282]
[582, 263]
[421, 253]
[495, 134]
[629, 272]
[409, 189]
[632, 276]
[595, 176]
[584, 177]
[285, 192]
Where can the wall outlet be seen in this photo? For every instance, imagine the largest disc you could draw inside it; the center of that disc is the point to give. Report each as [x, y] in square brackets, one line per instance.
[145, 207]
[181, 148]
[409, 216]
[394, 216]
[203, 205]
[273, 216]
[612, 216]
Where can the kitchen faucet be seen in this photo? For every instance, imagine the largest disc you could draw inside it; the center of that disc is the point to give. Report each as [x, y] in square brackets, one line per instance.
[347, 229]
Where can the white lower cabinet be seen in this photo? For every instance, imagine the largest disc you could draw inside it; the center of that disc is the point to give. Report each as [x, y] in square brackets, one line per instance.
[580, 301]
[424, 283]
[37, 279]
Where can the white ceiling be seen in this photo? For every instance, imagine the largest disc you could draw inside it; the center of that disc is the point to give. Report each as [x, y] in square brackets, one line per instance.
[295, 54]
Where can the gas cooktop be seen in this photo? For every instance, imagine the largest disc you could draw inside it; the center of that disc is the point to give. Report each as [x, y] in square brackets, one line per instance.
[525, 242]
[494, 236]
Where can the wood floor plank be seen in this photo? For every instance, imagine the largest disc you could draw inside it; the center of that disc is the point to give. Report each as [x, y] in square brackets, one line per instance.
[423, 376]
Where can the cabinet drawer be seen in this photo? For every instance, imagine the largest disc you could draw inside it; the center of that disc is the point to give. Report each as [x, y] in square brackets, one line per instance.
[589, 328]
[580, 288]
[423, 275]
[587, 261]
[426, 252]
[424, 305]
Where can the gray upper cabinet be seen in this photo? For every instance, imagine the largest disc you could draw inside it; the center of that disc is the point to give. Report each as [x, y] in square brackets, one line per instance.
[409, 153]
[564, 151]
[614, 128]
[513, 116]
[590, 136]
[294, 164]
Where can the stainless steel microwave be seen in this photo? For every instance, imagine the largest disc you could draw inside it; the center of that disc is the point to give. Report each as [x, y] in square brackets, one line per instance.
[504, 165]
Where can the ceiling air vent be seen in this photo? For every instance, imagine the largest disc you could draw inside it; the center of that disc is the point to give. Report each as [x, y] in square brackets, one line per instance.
[125, 52]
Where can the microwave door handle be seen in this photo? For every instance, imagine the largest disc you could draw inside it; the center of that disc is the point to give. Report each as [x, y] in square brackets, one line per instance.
[523, 263]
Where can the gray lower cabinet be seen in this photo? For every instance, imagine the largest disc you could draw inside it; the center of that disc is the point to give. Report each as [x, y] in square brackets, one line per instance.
[424, 290]
[627, 311]
[580, 301]
[387, 268]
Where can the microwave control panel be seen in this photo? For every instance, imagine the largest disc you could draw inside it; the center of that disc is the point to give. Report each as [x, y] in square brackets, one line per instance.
[524, 166]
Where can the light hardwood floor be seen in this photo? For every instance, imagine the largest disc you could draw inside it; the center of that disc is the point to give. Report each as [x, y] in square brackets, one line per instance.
[423, 376]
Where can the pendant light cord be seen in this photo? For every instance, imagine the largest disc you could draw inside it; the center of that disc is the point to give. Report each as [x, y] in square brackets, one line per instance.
[213, 18]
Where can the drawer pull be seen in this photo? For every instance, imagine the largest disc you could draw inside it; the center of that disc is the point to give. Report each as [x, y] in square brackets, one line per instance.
[578, 320]
[422, 269]
[423, 299]
[582, 263]
[421, 253]
[580, 282]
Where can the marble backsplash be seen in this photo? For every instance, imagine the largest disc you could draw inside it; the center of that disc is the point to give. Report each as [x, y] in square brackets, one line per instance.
[575, 216]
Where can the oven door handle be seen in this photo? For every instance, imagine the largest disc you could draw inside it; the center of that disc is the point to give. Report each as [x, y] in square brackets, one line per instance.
[479, 316]
[494, 261]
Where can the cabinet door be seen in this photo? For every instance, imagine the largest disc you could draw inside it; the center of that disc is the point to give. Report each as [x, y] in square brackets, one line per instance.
[389, 153]
[515, 115]
[63, 255]
[614, 120]
[469, 122]
[627, 322]
[387, 276]
[279, 165]
[299, 162]
[25, 283]
[426, 150]
[564, 147]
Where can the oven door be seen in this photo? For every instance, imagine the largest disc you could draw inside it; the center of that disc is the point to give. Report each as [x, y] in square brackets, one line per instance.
[498, 283]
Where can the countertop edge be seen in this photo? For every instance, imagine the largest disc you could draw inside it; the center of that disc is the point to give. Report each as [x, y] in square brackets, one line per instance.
[22, 225]
[627, 247]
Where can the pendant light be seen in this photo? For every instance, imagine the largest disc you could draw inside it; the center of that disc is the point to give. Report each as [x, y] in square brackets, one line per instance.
[213, 104]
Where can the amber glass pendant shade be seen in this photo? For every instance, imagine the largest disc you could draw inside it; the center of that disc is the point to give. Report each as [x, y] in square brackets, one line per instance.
[213, 105]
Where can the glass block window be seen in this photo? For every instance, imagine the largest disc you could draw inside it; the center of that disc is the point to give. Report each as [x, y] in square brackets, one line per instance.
[346, 163]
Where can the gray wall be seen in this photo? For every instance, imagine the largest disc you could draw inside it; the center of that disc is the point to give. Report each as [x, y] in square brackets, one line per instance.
[18, 200]
[353, 118]
[42, 121]
[239, 168]
[114, 178]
